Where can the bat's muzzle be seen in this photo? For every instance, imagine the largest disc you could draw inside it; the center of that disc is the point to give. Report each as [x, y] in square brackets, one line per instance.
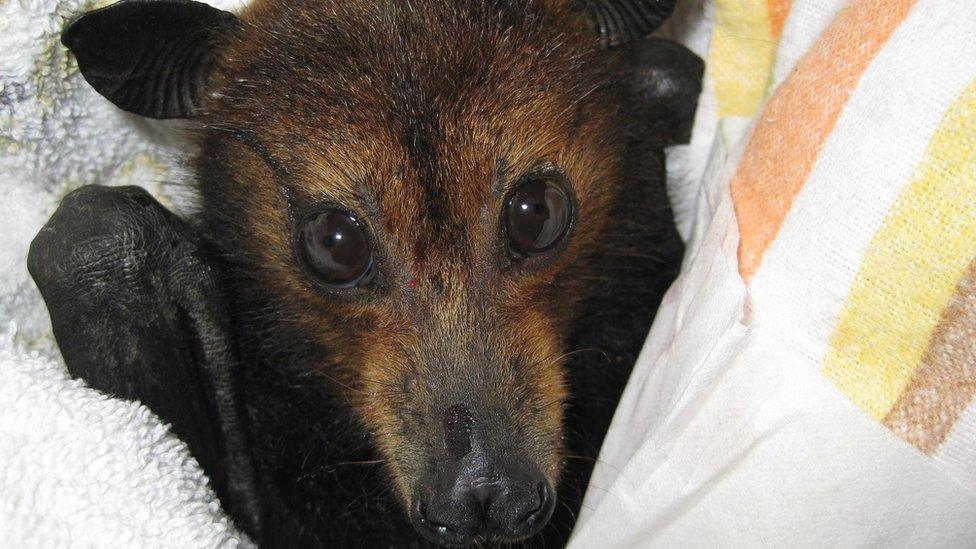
[483, 486]
[501, 501]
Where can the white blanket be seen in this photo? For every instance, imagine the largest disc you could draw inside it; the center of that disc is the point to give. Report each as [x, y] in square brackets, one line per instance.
[77, 468]
[84, 470]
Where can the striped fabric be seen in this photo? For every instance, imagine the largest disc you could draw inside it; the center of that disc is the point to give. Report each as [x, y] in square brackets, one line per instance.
[810, 378]
[901, 342]
[742, 52]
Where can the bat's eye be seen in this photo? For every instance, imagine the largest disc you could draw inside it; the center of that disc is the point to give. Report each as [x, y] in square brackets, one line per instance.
[335, 247]
[537, 216]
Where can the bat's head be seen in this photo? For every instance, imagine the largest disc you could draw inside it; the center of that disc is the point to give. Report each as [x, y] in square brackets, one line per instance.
[414, 199]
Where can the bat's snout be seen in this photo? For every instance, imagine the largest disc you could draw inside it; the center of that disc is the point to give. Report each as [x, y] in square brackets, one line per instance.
[502, 500]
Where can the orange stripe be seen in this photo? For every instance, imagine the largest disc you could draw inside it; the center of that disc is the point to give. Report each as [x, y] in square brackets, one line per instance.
[799, 117]
[778, 10]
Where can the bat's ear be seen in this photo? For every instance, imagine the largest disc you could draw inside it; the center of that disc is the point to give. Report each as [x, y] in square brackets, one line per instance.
[662, 81]
[617, 22]
[151, 57]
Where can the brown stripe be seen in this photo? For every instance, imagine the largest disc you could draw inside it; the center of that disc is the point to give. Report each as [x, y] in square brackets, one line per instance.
[945, 382]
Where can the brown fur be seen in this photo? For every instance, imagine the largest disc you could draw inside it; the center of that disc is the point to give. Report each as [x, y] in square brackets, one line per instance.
[400, 127]
[447, 397]
[422, 117]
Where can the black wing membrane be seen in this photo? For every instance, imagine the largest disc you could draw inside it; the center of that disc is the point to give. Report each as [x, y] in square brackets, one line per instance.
[137, 312]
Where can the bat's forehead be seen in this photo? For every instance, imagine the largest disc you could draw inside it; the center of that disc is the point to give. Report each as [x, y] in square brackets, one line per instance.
[419, 120]
[331, 68]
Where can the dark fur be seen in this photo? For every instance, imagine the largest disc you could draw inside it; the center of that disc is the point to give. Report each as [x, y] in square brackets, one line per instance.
[381, 107]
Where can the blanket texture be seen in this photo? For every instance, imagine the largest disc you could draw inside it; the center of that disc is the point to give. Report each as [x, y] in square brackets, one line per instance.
[78, 468]
[57, 134]
[84, 470]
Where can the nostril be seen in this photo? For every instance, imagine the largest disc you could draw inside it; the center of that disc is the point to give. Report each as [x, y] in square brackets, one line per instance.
[529, 513]
[530, 516]
[431, 530]
[435, 531]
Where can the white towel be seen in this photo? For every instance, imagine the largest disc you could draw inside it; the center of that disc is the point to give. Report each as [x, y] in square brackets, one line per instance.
[81, 469]
[77, 468]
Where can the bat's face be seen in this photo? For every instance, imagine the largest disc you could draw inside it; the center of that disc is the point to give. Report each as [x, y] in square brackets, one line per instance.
[420, 194]
[427, 219]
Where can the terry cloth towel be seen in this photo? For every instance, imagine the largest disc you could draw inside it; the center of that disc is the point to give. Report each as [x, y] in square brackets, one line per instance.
[809, 379]
[80, 469]
[77, 468]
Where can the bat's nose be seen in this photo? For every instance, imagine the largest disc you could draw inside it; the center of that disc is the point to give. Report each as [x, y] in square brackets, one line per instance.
[510, 506]
[485, 493]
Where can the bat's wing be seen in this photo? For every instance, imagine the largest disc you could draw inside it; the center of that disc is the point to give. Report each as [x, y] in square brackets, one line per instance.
[138, 314]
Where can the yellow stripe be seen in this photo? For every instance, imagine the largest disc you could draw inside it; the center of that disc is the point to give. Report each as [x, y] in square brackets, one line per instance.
[913, 265]
[742, 52]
